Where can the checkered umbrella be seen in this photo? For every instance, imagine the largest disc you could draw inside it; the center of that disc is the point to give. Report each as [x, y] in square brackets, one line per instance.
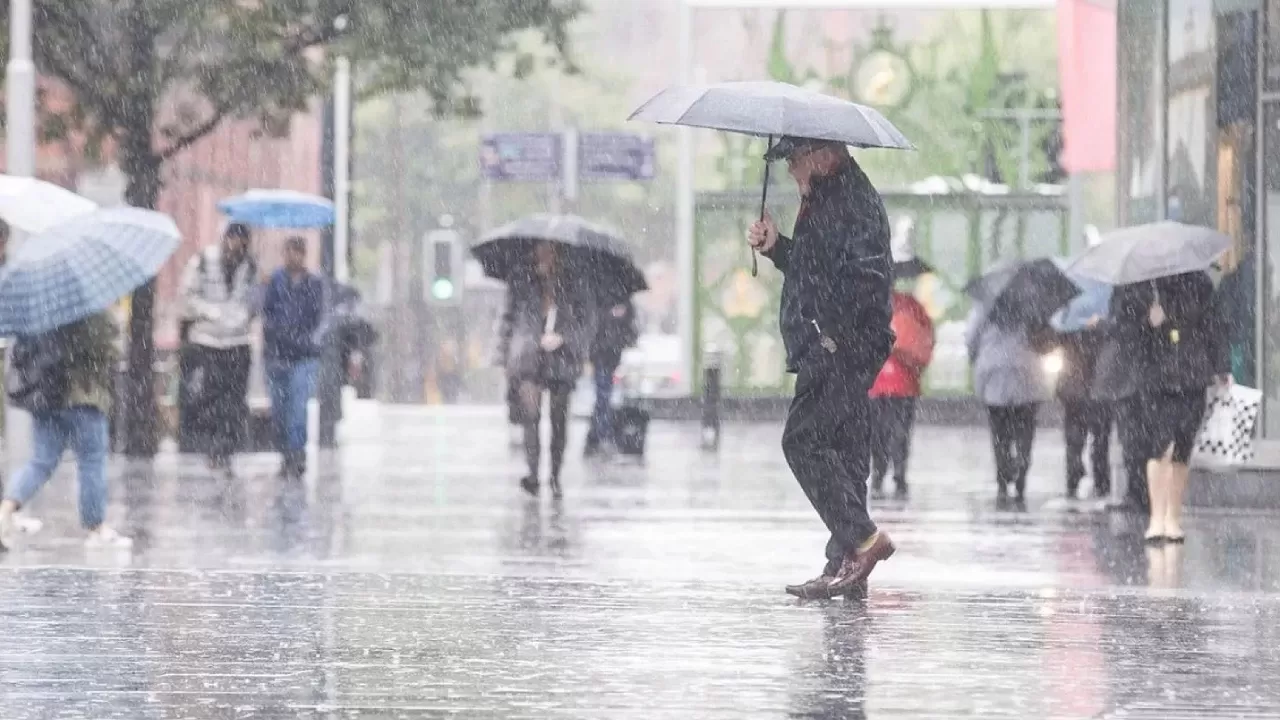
[81, 267]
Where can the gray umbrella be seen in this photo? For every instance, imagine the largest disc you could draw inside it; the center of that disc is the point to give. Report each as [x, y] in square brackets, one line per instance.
[772, 110]
[1149, 252]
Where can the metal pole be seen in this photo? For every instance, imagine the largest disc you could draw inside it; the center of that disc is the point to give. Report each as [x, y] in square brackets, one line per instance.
[20, 131]
[20, 78]
[1024, 148]
[685, 249]
[342, 169]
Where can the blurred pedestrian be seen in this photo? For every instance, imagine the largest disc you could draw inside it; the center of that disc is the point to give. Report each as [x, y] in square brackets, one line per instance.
[1009, 378]
[546, 335]
[1084, 417]
[292, 308]
[894, 393]
[1123, 362]
[615, 332]
[218, 287]
[835, 321]
[1189, 351]
[69, 376]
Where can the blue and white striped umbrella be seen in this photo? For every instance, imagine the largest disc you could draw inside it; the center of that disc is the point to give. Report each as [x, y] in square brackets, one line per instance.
[278, 209]
[81, 267]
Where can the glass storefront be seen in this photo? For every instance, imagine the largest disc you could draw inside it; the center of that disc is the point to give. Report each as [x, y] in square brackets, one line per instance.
[1190, 148]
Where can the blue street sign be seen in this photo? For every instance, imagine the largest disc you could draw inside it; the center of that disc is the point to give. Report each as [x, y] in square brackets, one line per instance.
[615, 156]
[520, 157]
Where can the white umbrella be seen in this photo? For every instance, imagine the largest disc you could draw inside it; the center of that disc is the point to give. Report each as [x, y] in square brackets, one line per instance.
[772, 110]
[34, 206]
[1151, 251]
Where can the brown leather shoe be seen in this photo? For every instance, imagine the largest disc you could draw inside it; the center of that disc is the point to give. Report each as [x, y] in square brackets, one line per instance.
[858, 566]
[818, 588]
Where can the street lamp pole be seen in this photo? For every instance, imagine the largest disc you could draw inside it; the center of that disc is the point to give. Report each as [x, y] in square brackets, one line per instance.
[20, 84]
[20, 131]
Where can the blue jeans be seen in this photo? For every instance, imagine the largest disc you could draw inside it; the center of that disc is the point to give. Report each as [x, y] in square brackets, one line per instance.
[291, 384]
[602, 417]
[85, 430]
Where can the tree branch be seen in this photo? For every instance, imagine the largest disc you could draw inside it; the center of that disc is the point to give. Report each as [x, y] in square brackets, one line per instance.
[190, 138]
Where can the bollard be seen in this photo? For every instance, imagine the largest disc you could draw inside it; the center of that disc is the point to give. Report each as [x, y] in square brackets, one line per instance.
[711, 399]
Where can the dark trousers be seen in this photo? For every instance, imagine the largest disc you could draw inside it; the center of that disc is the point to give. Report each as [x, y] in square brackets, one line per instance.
[602, 415]
[891, 421]
[222, 409]
[827, 444]
[1013, 431]
[1131, 426]
[531, 415]
[1083, 419]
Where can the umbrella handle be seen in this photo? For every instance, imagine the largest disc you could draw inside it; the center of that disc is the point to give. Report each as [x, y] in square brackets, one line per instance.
[764, 196]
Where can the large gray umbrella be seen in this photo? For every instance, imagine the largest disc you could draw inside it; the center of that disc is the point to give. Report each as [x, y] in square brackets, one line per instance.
[772, 110]
[1149, 252]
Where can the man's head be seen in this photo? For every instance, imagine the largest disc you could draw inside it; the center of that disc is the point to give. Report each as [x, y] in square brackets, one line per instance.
[808, 158]
[235, 240]
[295, 255]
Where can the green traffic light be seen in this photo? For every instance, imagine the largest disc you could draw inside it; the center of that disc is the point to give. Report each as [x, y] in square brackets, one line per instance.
[442, 289]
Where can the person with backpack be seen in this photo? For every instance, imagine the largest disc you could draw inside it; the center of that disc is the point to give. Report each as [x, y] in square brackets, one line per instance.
[219, 286]
[64, 379]
[894, 392]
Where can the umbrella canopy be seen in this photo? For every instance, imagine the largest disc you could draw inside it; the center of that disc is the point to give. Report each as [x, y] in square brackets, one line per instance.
[772, 109]
[591, 249]
[82, 267]
[34, 206]
[1093, 303]
[1149, 252]
[1023, 293]
[278, 209]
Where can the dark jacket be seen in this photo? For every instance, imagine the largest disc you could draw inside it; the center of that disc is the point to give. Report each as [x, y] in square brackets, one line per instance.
[1182, 354]
[291, 313]
[1124, 357]
[613, 335]
[524, 322]
[1079, 358]
[1191, 347]
[838, 274]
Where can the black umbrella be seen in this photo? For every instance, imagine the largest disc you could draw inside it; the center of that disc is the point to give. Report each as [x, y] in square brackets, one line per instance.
[593, 251]
[1027, 293]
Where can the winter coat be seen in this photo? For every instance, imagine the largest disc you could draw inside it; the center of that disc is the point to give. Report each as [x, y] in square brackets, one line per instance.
[220, 309]
[1190, 348]
[613, 335]
[1079, 359]
[1124, 358]
[837, 274]
[1007, 365]
[524, 323]
[912, 350]
[291, 314]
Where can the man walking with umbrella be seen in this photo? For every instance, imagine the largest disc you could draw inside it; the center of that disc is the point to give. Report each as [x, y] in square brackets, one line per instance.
[835, 320]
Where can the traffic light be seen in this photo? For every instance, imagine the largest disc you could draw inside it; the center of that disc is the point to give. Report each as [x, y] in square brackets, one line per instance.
[442, 276]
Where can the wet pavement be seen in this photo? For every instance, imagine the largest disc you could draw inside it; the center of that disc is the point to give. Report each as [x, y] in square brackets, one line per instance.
[408, 578]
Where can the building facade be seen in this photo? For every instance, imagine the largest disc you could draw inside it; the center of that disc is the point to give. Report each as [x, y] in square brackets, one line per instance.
[1199, 141]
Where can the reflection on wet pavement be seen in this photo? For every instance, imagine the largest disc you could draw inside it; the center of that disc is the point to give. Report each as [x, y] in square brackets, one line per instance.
[409, 579]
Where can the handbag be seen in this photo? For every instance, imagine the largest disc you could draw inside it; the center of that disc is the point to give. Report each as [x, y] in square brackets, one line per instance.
[1226, 434]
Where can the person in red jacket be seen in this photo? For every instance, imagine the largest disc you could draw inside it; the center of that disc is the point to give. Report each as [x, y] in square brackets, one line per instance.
[894, 393]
